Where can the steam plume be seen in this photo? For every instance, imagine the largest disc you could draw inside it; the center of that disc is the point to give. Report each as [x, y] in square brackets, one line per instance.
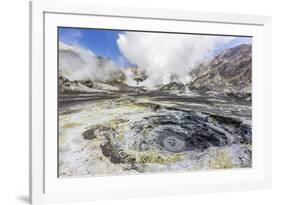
[164, 56]
[78, 63]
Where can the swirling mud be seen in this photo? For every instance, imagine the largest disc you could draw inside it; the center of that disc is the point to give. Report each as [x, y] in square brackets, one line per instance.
[153, 132]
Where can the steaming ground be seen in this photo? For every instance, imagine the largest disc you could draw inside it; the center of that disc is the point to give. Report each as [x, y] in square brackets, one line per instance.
[158, 116]
[166, 55]
[138, 132]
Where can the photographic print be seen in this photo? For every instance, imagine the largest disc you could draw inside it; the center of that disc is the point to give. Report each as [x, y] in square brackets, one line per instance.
[134, 102]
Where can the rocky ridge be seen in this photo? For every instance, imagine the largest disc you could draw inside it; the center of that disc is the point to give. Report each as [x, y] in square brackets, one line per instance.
[229, 73]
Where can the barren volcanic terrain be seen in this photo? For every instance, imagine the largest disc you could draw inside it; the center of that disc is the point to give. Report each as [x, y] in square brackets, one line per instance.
[110, 127]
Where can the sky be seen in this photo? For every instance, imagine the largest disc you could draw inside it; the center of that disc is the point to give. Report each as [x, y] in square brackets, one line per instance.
[101, 42]
[105, 42]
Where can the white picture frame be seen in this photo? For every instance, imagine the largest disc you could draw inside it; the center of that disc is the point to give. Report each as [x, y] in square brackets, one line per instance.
[45, 187]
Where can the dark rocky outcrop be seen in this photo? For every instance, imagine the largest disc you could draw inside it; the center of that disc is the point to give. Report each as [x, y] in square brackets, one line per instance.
[174, 86]
[89, 134]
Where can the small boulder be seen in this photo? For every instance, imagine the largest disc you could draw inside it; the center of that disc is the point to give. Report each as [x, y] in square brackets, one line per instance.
[89, 134]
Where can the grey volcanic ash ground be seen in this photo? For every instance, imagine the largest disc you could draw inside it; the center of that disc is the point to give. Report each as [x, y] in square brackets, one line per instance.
[112, 128]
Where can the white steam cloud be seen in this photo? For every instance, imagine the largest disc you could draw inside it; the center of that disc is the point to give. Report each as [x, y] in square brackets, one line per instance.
[78, 63]
[164, 56]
